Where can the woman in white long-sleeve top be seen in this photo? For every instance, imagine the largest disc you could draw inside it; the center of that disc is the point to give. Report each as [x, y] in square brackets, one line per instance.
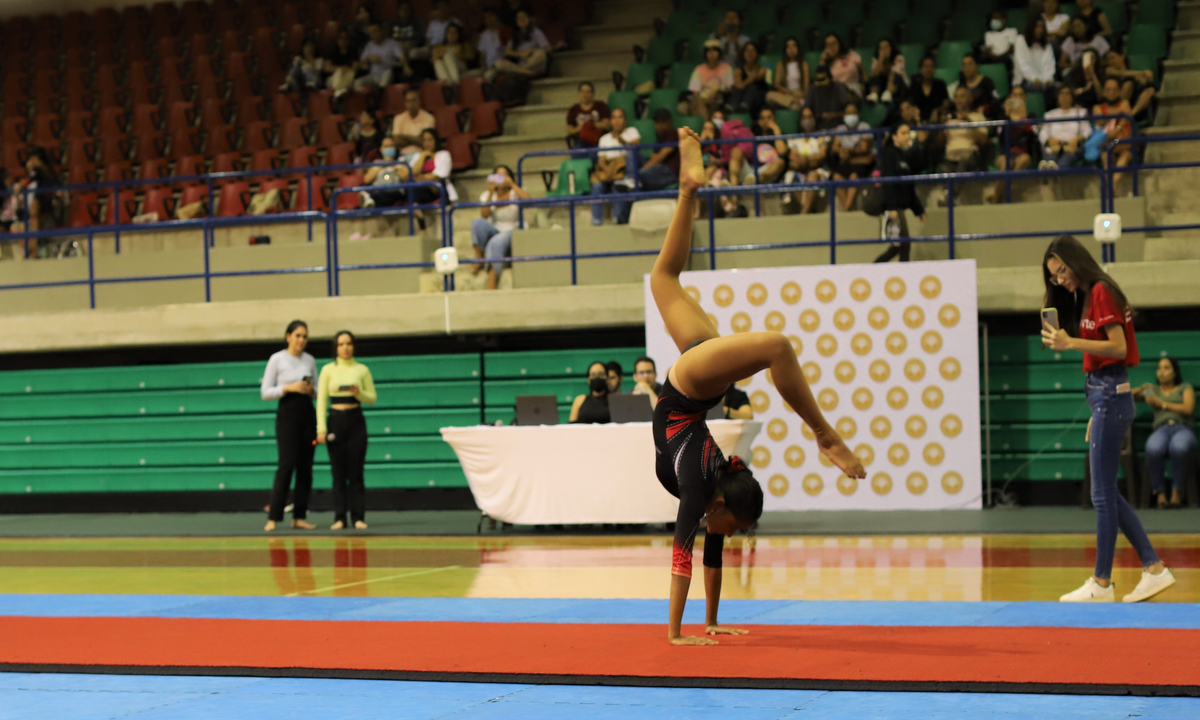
[289, 379]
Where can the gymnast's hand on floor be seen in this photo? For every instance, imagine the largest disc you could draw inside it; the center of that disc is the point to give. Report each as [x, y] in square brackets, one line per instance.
[722, 630]
[692, 640]
[832, 447]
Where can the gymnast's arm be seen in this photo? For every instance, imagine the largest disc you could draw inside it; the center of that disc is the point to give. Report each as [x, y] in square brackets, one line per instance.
[687, 524]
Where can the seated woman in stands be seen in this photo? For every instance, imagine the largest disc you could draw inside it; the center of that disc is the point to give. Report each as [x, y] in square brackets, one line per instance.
[592, 406]
[1116, 129]
[528, 51]
[491, 232]
[1174, 434]
[454, 58]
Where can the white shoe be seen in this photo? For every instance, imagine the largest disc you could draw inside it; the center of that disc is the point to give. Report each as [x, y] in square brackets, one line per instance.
[1051, 165]
[1150, 585]
[873, 98]
[1090, 592]
[366, 200]
[1042, 165]
[886, 97]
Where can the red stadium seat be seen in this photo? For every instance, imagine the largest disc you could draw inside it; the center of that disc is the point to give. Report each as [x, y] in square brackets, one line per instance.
[169, 49]
[233, 41]
[280, 185]
[173, 71]
[464, 149]
[294, 133]
[471, 92]
[243, 86]
[263, 40]
[118, 170]
[487, 119]
[264, 160]
[47, 105]
[201, 45]
[85, 209]
[152, 170]
[233, 199]
[447, 119]
[160, 202]
[237, 63]
[14, 159]
[77, 80]
[252, 109]
[46, 83]
[47, 129]
[303, 157]
[214, 113]
[320, 104]
[209, 88]
[284, 107]
[189, 166]
[147, 119]
[81, 150]
[80, 124]
[320, 199]
[181, 115]
[322, 13]
[329, 31]
[352, 104]
[392, 102]
[331, 131]
[206, 66]
[126, 207]
[193, 194]
[221, 139]
[114, 147]
[340, 154]
[113, 121]
[349, 200]
[164, 18]
[84, 102]
[257, 136]
[15, 130]
[432, 95]
[82, 173]
[227, 163]
[150, 146]
[293, 43]
[195, 16]
[259, 17]
[185, 141]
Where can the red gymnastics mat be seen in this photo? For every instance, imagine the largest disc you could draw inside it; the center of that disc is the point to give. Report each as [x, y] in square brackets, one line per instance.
[980, 659]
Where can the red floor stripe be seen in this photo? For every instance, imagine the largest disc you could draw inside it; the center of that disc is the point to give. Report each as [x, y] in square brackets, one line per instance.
[855, 653]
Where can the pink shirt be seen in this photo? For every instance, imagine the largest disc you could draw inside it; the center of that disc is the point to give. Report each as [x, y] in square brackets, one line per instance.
[703, 76]
[846, 70]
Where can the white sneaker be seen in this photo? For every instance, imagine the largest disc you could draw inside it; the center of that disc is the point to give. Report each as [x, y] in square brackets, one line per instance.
[1090, 592]
[886, 97]
[366, 200]
[1042, 165]
[1150, 585]
[873, 98]
[1051, 165]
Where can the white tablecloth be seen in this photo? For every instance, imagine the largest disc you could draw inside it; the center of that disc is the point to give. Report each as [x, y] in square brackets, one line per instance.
[565, 474]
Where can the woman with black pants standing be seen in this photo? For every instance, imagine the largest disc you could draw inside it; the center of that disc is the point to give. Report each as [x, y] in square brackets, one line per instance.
[289, 379]
[344, 387]
[1095, 319]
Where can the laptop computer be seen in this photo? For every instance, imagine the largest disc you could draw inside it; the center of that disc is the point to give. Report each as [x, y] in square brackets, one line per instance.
[630, 408]
[537, 410]
[717, 412]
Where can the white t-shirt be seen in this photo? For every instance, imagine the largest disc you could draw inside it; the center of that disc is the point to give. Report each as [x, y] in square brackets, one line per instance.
[1000, 41]
[504, 217]
[491, 47]
[630, 136]
[285, 368]
[1065, 131]
[1055, 23]
[808, 146]
[1073, 49]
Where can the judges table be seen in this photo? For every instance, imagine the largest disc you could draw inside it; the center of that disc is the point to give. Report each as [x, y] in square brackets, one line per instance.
[575, 474]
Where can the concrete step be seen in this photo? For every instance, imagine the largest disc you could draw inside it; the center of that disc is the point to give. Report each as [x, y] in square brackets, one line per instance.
[591, 63]
[1178, 109]
[1185, 45]
[564, 90]
[632, 11]
[1181, 77]
[506, 150]
[615, 37]
[1187, 15]
[536, 119]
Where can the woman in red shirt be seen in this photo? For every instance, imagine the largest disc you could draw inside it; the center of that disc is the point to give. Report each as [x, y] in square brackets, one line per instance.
[1097, 321]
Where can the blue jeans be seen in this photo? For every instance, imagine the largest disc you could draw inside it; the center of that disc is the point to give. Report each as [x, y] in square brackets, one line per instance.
[1112, 414]
[657, 177]
[1174, 440]
[620, 209]
[495, 244]
[1063, 159]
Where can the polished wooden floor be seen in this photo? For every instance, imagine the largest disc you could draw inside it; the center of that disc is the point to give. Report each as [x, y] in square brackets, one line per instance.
[978, 567]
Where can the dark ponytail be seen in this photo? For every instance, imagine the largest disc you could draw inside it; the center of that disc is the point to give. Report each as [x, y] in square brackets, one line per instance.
[743, 495]
[291, 328]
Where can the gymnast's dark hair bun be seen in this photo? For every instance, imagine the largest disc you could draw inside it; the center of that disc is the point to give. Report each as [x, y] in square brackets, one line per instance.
[743, 495]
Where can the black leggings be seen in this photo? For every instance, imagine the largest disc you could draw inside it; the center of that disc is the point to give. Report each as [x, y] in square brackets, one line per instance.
[295, 431]
[347, 455]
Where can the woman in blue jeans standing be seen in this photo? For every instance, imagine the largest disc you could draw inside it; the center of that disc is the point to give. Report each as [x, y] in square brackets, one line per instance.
[1097, 321]
[1173, 434]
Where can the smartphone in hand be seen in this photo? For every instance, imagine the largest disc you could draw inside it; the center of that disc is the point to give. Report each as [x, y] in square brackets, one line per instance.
[1049, 318]
[345, 388]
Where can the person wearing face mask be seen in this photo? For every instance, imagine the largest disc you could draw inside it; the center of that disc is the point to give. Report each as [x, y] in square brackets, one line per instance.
[345, 385]
[902, 156]
[592, 407]
[806, 160]
[732, 40]
[827, 98]
[853, 155]
[999, 40]
[385, 175]
[289, 379]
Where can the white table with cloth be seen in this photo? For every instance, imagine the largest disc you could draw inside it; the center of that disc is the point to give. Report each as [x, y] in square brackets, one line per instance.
[575, 474]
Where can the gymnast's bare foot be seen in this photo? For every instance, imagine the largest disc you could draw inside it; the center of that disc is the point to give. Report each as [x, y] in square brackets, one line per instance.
[270, 526]
[360, 525]
[832, 447]
[339, 525]
[691, 162]
[303, 525]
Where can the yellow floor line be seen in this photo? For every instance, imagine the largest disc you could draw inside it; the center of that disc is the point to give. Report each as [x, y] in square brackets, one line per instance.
[372, 580]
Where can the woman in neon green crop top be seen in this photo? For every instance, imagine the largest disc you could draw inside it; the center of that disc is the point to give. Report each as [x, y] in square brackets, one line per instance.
[345, 385]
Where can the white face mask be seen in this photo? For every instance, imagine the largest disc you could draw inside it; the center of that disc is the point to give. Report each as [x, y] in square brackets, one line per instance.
[997, 25]
[851, 120]
[718, 122]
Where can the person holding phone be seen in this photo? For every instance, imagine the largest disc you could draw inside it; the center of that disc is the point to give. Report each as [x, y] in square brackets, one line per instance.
[288, 379]
[1087, 312]
[344, 387]
[491, 232]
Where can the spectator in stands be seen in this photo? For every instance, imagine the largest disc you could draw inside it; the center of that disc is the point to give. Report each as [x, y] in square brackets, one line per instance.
[902, 155]
[772, 156]
[592, 406]
[407, 126]
[1084, 81]
[710, 81]
[645, 377]
[845, 65]
[453, 58]
[490, 45]
[1116, 129]
[889, 78]
[749, 83]
[791, 78]
[360, 27]
[615, 376]
[39, 214]
[609, 172]
[587, 119]
[1058, 24]
[341, 62]
[509, 10]
[433, 164]
[344, 386]
[964, 147]
[736, 405]
[407, 29]
[380, 58]
[385, 175]
[732, 40]
[806, 160]
[1080, 39]
[307, 70]
[1097, 21]
[999, 40]
[289, 378]
[984, 97]
[852, 156]
[1034, 66]
[528, 51]
[1062, 142]
[1173, 433]
[491, 232]
[440, 18]
[366, 137]
[1137, 86]
[1024, 147]
[827, 98]
[661, 169]
[929, 93]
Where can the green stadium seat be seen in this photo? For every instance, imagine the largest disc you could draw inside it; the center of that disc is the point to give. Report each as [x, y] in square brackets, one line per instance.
[667, 98]
[554, 363]
[1017, 18]
[639, 74]
[1144, 62]
[1069, 9]
[581, 169]
[839, 28]
[1035, 104]
[1147, 40]
[802, 16]
[912, 52]
[682, 24]
[876, 28]
[624, 99]
[769, 61]
[1038, 407]
[696, 6]
[681, 73]
[922, 31]
[505, 392]
[660, 52]
[894, 12]
[873, 114]
[946, 75]
[849, 12]
[1029, 437]
[998, 72]
[931, 9]
[968, 26]
[695, 48]
[762, 18]
[1060, 466]
[744, 117]
[645, 128]
[950, 55]
[789, 121]
[695, 122]
[506, 415]
[1117, 14]
[1156, 12]
[867, 53]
